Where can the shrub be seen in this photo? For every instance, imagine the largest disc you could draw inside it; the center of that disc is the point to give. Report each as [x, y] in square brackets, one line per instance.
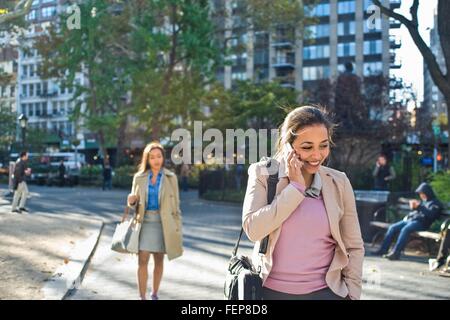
[123, 176]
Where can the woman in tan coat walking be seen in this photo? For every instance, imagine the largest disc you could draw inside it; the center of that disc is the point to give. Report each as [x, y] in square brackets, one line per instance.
[155, 196]
[315, 249]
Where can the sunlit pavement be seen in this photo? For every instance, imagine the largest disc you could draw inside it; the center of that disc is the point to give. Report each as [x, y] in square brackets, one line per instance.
[210, 231]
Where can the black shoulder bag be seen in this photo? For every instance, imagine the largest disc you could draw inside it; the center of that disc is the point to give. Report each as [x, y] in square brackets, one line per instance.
[243, 281]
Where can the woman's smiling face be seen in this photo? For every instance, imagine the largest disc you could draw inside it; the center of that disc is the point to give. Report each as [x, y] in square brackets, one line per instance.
[313, 146]
[155, 159]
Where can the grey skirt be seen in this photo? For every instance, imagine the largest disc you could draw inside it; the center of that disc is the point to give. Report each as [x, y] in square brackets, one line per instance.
[151, 237]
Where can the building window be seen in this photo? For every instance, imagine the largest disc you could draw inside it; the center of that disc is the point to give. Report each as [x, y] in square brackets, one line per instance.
[44, 88]
[239, 76]
[346, 49]
[373, 68]
[24, 71]
[346, 7]
[38, 89]
[31, 15]
[31, 90]
[23, 106]
[48, 12]
[24, 90]
[12, 91]
[373, 47]
[55, 108]
[322, 9]
[30, 110]
[44, 108]
[346, 28]
[68, 128]
[38, 109]
[62, 107]
[315, 73]
[318, 31]
[316, 52]
[31, 70]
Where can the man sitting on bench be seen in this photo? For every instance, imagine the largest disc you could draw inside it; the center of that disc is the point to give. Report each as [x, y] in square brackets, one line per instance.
[424, 214]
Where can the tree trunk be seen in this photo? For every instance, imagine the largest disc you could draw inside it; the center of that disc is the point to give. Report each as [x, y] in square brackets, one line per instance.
[156, 123]
[101, 143]
[121, 134]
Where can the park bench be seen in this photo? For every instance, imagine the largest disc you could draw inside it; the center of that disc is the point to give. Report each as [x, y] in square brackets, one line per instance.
[402, 209]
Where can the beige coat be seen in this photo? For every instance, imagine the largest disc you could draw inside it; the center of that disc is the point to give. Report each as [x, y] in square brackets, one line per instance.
[344, 276]
[169, 205]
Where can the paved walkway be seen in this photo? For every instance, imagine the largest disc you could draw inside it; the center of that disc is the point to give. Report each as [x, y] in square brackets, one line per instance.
[210, 231]
[34, 246]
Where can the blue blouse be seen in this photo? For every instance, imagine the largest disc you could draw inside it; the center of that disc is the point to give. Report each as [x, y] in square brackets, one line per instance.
[153, 192]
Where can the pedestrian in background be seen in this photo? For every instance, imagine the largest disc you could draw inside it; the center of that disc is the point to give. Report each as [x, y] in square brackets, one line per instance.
[184, 173]
[238, 175]
[156, 199]
[62, 173]
[20, 185]
[107, 175]
[382, 173]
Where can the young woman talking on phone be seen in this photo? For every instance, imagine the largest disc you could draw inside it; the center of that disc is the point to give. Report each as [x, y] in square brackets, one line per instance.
[315, 249]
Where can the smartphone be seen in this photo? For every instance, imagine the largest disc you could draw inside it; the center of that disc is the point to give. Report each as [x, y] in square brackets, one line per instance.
[289, 148]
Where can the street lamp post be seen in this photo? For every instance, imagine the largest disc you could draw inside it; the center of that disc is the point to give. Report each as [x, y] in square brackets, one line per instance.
[23, 121]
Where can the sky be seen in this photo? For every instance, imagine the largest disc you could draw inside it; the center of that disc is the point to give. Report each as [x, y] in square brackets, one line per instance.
[412, 61]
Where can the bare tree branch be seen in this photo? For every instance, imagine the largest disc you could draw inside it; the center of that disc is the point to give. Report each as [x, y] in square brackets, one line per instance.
[435, 71]
[413, 10]
[21, 9]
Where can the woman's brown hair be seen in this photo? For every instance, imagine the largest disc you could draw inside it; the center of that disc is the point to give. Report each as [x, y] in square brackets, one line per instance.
[144, 164]
[302, 117]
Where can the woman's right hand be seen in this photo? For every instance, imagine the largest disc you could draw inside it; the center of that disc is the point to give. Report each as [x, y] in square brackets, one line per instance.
[295, 168]
[132, 199]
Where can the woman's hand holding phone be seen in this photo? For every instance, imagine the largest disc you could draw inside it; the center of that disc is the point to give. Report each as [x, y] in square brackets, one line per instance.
[295, 168]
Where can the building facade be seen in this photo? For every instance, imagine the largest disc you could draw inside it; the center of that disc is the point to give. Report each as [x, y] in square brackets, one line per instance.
[343, 31]
[8, 76]
[46, 103]
[434, 101]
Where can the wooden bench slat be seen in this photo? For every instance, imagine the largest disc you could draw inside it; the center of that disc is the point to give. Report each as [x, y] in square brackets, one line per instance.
[380, 224]
[428, 234]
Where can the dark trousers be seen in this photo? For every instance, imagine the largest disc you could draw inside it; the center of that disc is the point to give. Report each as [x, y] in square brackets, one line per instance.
[184, 183]
[107, 184]
[444, 247]
[403, 229]
[323, 294]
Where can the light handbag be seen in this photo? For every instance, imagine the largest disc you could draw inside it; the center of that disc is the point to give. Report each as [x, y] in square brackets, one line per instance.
[126, 235]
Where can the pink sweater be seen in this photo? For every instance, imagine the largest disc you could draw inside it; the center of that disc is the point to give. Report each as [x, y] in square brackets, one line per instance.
[304, 250]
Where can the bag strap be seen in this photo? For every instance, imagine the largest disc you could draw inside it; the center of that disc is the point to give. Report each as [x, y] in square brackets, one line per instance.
[272, 181]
